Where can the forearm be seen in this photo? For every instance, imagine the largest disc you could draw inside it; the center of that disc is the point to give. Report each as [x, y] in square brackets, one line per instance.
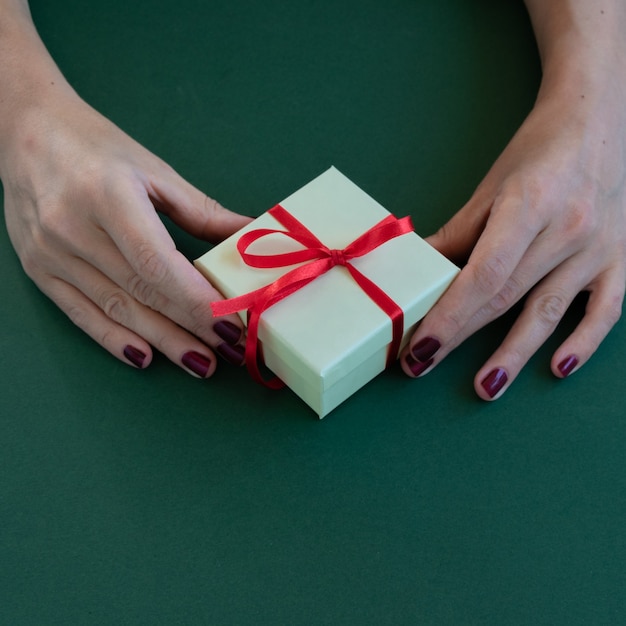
[582, 43]
[28, 73]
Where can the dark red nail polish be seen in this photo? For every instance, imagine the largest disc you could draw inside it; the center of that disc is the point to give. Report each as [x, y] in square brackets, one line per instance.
[494, 381]
[135, 356]
[417, 367]
[233, 354]
[227, 331]
[425, 349]
[197, 363]
[568, 365]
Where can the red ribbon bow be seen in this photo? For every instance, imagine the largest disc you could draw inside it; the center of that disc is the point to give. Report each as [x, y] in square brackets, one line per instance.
[321, 260]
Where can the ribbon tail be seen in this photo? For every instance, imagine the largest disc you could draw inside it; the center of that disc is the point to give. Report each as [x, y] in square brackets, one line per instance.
[247, 302]
[394, 312]
[252, 353]
[256, 302]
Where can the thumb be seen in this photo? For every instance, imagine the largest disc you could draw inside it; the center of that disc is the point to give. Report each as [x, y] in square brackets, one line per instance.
[194, 211]
[457, 237]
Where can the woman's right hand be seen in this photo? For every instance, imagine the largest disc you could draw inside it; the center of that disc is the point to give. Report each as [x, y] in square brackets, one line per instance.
[81, 201]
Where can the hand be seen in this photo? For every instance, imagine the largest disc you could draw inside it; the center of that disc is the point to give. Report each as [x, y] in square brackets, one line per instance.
[547, 222]
[80, 200]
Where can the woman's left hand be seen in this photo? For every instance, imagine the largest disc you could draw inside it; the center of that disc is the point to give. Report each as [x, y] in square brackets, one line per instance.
[547, 222]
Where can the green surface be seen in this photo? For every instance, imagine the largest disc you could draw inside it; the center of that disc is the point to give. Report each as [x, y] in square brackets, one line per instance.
[150, 497]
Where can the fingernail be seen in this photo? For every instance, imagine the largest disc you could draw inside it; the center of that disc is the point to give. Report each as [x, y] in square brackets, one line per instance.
[233, 354]
[494, 381]
[135, 356]
[425, 349]
[227, 331]
[197, 363]
[568, 365]
[417, 367]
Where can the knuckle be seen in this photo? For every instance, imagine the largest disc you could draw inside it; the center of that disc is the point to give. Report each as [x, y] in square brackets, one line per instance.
[200, 316]
[106, 340]
[30, 263]
[78, 316]
[37, 255]
[115, 304]
[213, 211]
[141, 290]
[550, 308]
[453, 321]
[491, 273]
[150, 264]
[55, 224]
[200, 310]
[49, 220]
[212, 207]
[581, 220]
[506, 297]
[536, 193]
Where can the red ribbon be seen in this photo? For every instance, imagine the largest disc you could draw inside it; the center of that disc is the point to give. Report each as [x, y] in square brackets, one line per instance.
[321, 259]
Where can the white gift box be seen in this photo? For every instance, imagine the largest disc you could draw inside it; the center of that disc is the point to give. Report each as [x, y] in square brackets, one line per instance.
[329, 338]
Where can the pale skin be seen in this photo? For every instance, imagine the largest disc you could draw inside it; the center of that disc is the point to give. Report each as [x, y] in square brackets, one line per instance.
[80, 200]
[547, 222]
[549, 219]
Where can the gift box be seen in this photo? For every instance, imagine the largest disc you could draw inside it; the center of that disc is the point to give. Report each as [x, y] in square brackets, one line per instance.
[332, 286]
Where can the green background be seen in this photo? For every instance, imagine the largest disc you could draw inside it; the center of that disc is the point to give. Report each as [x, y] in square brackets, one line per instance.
[151, 497]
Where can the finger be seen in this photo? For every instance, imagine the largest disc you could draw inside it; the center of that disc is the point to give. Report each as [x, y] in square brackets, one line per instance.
[602, 312]
[193, 210]
[157, 275]
[491, 264]
[121, 342]
[541, 258]
[116, 316]
[224, 335]
[457, 237]
[542, 312]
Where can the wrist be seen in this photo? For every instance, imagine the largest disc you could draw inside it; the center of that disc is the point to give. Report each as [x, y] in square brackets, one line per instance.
[581, 44]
